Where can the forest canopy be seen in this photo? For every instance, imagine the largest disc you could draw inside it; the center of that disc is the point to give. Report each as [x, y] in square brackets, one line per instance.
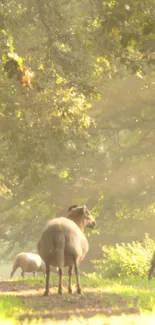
[76, 117]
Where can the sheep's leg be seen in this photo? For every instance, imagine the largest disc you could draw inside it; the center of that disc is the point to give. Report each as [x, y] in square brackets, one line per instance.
[151, 271]
[47, 279]
[22, 274]
[15, 267]
[70, 272]
[12, 273]
[77, 277]
[60, 281]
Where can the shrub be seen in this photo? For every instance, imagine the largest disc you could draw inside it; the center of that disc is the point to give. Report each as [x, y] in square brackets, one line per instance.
[126, 260]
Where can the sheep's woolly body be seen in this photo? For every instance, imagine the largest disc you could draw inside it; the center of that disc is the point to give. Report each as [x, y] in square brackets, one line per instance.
[62, 242]
[28, 262]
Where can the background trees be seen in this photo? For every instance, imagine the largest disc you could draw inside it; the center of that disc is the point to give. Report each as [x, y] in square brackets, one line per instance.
[85, 132]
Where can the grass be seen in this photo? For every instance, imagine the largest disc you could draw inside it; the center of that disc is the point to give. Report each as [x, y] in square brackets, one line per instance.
[10, 307]
[121, 296]
[142, 290]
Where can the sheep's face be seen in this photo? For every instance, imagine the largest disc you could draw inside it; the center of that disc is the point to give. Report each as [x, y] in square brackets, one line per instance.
[88, 218]
[81, 216]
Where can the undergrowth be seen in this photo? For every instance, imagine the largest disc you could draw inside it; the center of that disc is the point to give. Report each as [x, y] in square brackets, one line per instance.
[126, 259]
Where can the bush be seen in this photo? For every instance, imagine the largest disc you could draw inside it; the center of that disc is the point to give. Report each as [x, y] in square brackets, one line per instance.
[126, 260]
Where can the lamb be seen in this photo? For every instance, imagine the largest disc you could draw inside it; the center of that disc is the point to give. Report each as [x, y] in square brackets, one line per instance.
[28, 262]
[63, 243]
[152, 266]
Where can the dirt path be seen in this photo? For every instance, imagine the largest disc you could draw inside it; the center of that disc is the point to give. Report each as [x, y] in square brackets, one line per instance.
[93, 301]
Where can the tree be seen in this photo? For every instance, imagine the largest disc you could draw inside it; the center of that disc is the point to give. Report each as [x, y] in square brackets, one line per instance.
[84, 132]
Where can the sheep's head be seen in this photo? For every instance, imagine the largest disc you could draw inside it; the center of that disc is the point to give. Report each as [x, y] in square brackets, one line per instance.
[81, 216]
[88, 218]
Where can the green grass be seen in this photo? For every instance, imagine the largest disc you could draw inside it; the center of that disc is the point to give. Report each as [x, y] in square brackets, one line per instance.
[31, 280]
[129, 292]
[142, 290]
[10, 307]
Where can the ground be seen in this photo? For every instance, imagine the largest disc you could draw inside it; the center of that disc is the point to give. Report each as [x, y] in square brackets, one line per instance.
[102, 303]
[93, 301]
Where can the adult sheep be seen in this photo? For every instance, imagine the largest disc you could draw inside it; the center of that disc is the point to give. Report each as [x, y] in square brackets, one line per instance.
[152, 266]
[63, 243]
[28, 262]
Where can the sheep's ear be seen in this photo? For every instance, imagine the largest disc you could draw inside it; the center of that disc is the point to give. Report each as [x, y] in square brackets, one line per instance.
[72, 207]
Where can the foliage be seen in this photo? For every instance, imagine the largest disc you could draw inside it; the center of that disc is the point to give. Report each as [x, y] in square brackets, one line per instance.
[85, 132]
[127, 259]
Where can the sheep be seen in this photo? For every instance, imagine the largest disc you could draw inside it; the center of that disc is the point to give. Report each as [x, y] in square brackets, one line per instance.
[152, 266]
[28, 262]
[63, 243]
